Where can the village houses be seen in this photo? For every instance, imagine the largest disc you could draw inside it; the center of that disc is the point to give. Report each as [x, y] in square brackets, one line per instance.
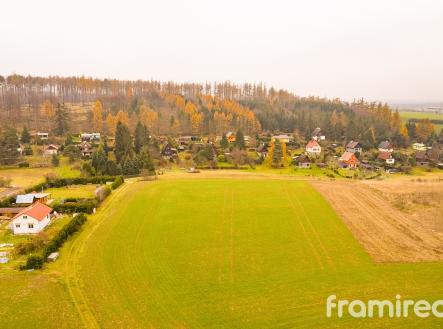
[317, 135]
[348, 160]
[30, 198]
[313, 148]
[353, 147]
[386, 157]
[86, 149]
[51, 149]
[282, 138]
[385, 146]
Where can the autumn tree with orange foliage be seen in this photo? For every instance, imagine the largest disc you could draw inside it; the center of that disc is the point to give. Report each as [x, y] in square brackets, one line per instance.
[148, 117]
[424, 129]
[97, 116]
[111, 124]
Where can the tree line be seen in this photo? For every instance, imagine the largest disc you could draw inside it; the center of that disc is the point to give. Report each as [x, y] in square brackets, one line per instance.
[191, 108]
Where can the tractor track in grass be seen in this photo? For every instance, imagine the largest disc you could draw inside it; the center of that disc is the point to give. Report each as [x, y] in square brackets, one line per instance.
[72, 279]
[314, 231]
[314, 250]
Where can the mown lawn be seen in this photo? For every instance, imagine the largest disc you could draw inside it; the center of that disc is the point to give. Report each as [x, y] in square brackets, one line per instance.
[215, 253]
[73, 191]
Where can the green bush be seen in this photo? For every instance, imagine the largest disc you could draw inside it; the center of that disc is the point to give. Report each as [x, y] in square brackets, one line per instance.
[117, 182]
[80, 206]
[33, 262]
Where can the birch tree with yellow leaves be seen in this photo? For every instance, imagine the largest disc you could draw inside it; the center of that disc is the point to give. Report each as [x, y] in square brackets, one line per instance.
[97, 116]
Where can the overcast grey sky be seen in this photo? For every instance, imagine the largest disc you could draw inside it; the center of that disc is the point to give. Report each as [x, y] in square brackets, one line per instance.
[378, 49]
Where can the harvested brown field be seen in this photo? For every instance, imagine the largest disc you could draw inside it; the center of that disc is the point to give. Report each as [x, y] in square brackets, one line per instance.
[394, 220]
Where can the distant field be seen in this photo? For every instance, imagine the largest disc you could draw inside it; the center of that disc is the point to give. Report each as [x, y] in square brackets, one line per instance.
[24, 177]
[197, 252]
[405, 115]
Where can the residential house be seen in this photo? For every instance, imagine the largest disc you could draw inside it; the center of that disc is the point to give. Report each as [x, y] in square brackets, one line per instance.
[51, 149]
[86, 149]
[348, 160]
[421, 158]
[385, 146]
[419, 147]
[283, 138]
[353, 147]
[262, 150]
[303, 161]
[185, 140]
[168, 151]
[317, 135]
[30, 198]
[313, 148]
[230, 136]
[386, 157]
[43, 136]
[90, 137]
[32, 219]
[435, 153]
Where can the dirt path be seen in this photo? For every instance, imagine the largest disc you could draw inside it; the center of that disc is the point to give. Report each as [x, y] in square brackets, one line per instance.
[388, 234]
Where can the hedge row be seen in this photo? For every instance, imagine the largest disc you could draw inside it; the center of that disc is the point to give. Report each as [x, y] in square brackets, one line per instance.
[36, 262]
[79, 206]
[67, 230]
[61, 182]
[117, 182]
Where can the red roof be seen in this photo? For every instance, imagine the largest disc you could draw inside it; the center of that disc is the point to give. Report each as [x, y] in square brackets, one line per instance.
[312, 144]
[347, 156]
[384, 155]
[37, 210]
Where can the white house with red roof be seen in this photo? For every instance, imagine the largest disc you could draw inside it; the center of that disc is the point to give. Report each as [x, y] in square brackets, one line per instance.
[313, 148]
[32, 219]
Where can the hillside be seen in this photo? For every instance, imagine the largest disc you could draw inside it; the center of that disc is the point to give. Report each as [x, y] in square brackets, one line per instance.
[190, 108]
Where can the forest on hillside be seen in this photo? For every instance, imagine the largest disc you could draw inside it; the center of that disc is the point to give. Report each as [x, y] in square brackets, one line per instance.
[170, 108]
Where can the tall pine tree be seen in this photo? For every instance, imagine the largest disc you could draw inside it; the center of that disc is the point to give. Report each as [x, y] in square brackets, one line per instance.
[239, 140]
[123, 143]
[61, 120]
[9, 144]
[141, 137]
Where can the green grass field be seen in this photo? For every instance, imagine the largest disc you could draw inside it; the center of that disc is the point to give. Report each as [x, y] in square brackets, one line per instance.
[212, 253]
[73, 191]
[405, 115]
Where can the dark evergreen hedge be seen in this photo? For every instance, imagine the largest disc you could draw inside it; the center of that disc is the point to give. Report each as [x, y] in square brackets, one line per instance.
[69, 229]
[61, 182]
[117, 182]
[79, 206]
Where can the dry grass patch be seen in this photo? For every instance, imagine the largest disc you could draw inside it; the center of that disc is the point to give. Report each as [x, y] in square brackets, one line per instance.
[395, 220]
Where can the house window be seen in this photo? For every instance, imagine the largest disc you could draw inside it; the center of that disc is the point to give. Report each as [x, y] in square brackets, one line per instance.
[25, 217]
[30, 225]
[17, 225]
